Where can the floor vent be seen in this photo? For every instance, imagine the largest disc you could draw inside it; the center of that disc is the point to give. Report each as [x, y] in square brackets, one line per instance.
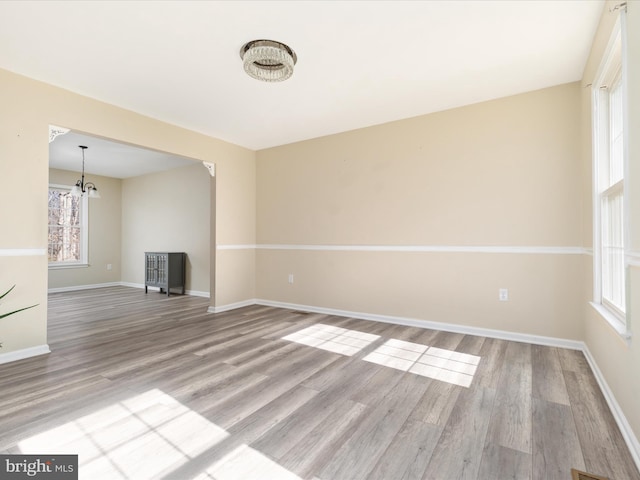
[301, 312]
[578, 475]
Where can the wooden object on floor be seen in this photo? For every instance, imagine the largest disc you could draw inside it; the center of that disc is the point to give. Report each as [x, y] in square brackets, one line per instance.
[165, 270]
[578, 475]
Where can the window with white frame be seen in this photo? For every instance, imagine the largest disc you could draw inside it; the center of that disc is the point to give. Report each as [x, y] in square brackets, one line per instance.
[609, 104]
[67, 237]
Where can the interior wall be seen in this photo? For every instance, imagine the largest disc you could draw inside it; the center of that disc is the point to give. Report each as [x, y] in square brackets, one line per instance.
[427, 194]
[167, 211]
[618, 359]
[28, 108]
[104, 233]
[235, 256]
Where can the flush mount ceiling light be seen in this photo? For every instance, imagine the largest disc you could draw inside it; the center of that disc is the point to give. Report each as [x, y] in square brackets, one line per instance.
[268, 60]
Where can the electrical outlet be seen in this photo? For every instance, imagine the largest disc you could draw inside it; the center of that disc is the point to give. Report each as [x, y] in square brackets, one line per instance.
[291, 278]
[109, 266]
[503, 294]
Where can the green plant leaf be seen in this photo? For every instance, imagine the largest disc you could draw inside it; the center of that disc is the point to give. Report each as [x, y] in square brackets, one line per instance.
[16, 311]
[7, 292]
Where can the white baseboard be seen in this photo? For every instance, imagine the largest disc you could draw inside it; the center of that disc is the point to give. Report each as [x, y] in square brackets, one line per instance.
[447, 327]
[195, 293]
[621, 420]
[24, 353]
[232, 306]
[83, 287]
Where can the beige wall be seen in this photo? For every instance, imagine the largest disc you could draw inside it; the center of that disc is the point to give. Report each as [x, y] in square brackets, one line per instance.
[236, 204]
[28, 108]
[25, 329]
[456, 288]
[104, 234]
[167, 212]
[500, 173]
[618, 360]
[495, 173]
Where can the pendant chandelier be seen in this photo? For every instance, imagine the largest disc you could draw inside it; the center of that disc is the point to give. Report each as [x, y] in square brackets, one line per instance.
[81, 188]
[268, 60]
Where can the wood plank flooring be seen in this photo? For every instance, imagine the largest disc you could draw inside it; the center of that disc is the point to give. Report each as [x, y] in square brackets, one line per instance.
[149, 387]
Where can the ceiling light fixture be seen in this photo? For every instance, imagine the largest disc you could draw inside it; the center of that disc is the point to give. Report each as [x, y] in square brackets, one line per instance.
[80, 188]
[268, 60]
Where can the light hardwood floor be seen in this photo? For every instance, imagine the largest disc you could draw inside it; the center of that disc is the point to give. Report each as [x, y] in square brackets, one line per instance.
[145, 386]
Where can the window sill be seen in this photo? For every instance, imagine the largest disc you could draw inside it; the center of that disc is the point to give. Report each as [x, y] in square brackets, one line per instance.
[64, 266]
[612, 320]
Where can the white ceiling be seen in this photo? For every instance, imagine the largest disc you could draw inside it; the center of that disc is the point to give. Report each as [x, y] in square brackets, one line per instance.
[360, 63]
[108, 158]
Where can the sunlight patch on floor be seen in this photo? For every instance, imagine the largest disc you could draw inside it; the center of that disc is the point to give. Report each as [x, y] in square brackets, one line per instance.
[437, 363]
[143, 437]
[333, 339]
